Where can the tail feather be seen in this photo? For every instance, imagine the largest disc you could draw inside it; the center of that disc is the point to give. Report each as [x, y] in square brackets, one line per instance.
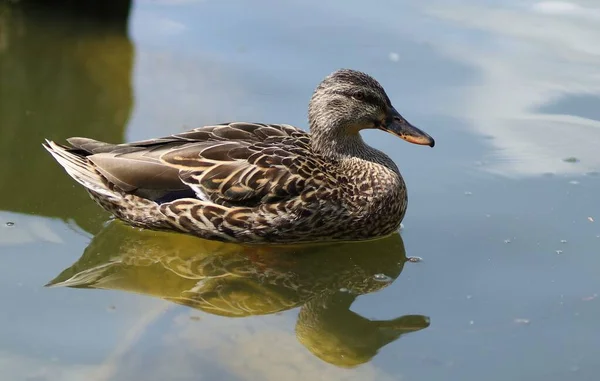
[79, 168]
[91, 145]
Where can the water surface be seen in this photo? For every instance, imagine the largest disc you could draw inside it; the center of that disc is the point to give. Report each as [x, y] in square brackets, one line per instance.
[504, 210]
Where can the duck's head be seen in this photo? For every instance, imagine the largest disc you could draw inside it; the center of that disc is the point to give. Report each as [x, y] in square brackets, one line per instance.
[348, 101]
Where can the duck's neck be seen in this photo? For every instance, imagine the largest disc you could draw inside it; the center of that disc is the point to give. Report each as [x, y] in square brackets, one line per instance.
[345, 148]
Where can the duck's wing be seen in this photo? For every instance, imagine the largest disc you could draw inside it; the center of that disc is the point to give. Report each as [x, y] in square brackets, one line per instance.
[235, 164]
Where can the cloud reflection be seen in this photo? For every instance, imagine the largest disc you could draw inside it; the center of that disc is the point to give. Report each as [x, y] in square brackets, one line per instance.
[528, 57]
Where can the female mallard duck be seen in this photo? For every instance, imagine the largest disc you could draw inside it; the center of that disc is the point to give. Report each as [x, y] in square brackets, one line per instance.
[251, 182]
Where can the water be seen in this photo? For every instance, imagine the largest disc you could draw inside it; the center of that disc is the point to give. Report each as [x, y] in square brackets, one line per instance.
[509, 91]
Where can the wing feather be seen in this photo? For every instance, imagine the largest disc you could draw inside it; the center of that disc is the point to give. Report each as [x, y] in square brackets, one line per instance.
[235, 164]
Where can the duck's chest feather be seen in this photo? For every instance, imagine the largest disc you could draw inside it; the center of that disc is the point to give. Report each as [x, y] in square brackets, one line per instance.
[359, 198]
[375, 194]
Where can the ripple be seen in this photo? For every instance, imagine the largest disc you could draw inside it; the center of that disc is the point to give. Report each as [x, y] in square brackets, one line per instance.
[382, 278]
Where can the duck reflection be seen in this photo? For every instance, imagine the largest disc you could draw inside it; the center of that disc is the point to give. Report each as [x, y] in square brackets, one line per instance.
[236, 281]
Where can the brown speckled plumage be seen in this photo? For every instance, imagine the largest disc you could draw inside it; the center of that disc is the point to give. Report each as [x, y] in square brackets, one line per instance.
[251, 182]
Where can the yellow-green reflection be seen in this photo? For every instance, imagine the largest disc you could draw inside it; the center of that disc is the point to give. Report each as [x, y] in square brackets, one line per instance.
[61, 74]
[235, 281]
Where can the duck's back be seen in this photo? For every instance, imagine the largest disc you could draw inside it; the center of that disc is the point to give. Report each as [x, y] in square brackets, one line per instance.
[236, 181]
[235, 164]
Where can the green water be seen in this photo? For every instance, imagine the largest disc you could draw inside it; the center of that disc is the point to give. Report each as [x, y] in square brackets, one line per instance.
[504, 211]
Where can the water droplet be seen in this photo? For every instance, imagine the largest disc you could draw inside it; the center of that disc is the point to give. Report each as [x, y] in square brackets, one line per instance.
[414, 259]
[471, 322]
[401, 225]
[574, 182]
[522, 321]
[394, 57]
[468, 193]
[507, 241]
[10, 223]
[559, 251]
[382, 278]
[469, 296]
[563, 241]
[590, 219]
[344, 289]
[571, 160]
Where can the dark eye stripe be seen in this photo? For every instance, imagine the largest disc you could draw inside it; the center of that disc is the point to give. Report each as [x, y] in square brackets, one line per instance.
[366, 97]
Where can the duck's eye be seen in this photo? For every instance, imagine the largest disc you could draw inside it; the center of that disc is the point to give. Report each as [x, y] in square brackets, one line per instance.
[358, 96]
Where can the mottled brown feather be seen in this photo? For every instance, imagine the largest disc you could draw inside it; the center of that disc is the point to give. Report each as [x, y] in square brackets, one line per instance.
[253, 182]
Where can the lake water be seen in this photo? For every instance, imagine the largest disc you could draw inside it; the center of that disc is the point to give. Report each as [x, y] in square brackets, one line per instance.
[504, 212]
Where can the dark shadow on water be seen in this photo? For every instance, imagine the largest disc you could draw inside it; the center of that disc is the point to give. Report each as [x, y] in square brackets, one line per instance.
[64, 71]
[237, 281]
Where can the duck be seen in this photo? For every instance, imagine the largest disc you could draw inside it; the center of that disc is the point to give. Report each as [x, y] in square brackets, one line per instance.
[258, 183]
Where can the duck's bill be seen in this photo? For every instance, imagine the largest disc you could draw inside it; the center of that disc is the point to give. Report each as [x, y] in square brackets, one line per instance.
[397, 125]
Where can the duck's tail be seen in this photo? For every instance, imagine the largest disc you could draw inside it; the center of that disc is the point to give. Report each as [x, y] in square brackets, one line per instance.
[80, 169]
